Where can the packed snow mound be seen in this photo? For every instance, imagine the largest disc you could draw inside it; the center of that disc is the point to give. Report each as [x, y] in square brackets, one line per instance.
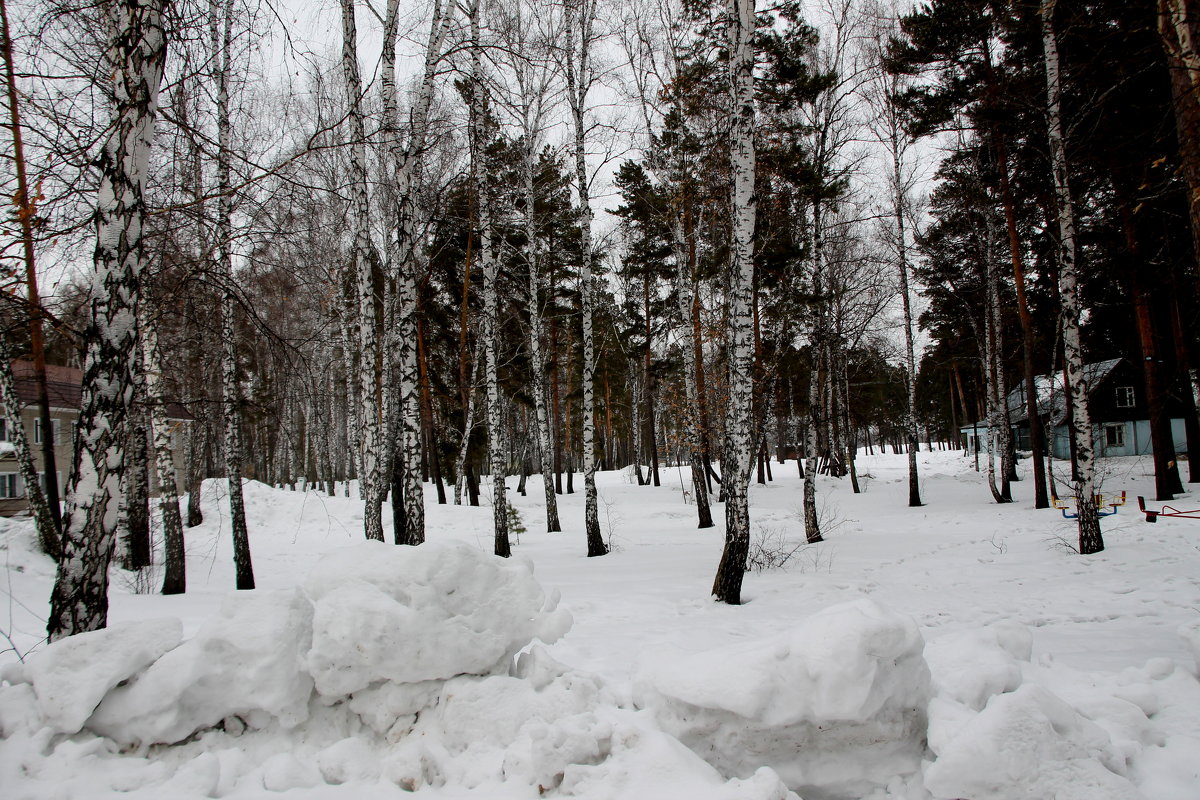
[106, 657]
[408, 615]
[247, 662]
[836, 705]
[1029, 745]
[390, 670]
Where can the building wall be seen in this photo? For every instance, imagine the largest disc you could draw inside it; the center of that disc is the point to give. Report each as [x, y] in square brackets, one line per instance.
[1135, 436]
[63, 454]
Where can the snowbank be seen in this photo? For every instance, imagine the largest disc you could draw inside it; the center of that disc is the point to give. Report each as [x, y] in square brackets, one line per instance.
[390, 670]
[836, 705]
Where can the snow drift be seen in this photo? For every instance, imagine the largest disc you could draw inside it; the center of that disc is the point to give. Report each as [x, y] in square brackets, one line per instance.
[392, 669]
[836, 705]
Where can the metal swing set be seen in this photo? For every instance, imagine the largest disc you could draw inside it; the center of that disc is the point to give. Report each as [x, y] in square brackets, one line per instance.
[1069, 506]
[1152, 515]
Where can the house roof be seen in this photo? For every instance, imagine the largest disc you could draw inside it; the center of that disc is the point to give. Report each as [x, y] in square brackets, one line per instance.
[1051, 397]
[64, 385]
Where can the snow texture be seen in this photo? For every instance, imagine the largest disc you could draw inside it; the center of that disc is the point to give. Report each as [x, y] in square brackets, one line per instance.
[945, 652]
[836, 705]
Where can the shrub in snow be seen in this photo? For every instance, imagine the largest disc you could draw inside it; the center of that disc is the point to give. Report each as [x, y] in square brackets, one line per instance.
[835, 706]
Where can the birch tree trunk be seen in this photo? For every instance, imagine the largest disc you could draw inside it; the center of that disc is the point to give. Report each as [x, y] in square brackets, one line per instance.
[812, 526]
[686, 293]
[580, 21]
[407, 162]
[222, 19]
[537, 363]
[491, 300]
[175, 571]
[735, 461]
[1091, 540]
[135, 56]
[39, 506]
[364, 261]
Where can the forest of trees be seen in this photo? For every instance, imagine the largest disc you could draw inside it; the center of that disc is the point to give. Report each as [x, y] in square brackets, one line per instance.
[461, 241]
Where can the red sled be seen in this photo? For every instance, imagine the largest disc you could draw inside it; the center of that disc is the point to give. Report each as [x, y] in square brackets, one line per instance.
[1166, 511]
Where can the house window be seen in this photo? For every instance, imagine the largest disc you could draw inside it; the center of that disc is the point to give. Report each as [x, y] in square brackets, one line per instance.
[1114, 436]
[1125, 397]
[8, 485]
[37, 430]
[4, 430]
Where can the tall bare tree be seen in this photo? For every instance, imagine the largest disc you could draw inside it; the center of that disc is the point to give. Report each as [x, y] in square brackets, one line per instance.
[135, 56]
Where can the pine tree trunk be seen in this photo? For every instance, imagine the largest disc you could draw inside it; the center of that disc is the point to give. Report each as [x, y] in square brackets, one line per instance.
[135, 57]
[910, 414]
[735, 461]
[48, 537]
[1083, 464]
[1036, 440]
[135, 497]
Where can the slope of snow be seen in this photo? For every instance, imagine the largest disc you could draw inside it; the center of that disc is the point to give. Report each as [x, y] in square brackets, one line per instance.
[954, 650]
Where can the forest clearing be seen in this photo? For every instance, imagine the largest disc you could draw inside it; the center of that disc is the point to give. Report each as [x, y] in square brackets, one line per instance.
[1051, 675]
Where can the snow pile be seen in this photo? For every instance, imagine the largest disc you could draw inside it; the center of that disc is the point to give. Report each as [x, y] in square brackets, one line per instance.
[1001, 728]
[836, 705]
[391, 669]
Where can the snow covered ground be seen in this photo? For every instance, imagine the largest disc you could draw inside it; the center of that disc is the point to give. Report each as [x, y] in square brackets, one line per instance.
[959, 650]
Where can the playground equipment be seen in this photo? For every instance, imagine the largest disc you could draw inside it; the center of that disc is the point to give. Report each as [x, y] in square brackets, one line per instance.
[1071, 504]
[1166, 511]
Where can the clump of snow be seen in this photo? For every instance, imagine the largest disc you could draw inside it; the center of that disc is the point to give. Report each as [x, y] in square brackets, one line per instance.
[836, 705]
[71, 676]
[972, 666]
[1030, 744]
[408, 615]
[247, 662]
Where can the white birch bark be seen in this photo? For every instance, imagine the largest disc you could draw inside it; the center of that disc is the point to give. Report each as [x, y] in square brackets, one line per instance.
[364, 261]
[491, 299]
[407, 163]
[39, 507]
[812, 527]
[220, 32]
[1084, 468]
[580, 22]
[135, 55]
[174, 573]
[735, 460]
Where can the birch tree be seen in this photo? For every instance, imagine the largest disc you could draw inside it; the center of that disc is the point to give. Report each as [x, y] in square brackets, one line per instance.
[135, 55]
[403, 264]
[491, 301]
[39, 505]
[364, 262]
[735, 460]
[221, 39]
[175, 571]
[1083, 465]
[526, 36]
[581, 20]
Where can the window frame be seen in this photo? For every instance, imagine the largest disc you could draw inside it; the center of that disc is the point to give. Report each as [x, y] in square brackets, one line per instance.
[1109, 429]
[1126, 397]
